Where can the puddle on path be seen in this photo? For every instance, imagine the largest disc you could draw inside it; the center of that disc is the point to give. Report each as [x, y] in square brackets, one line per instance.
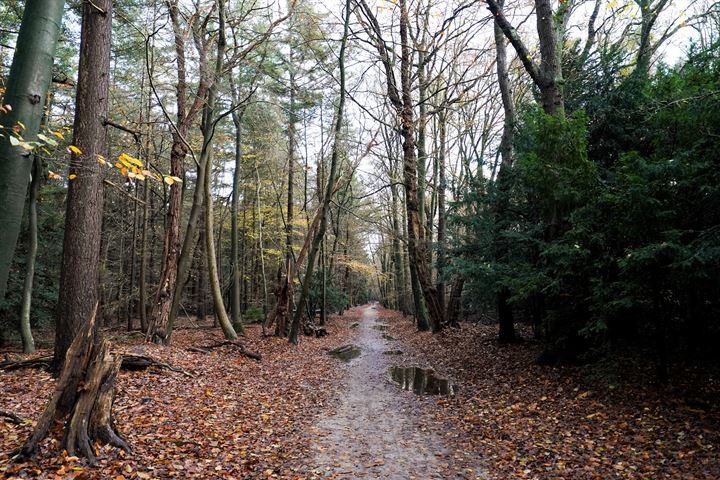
[421, 381]
[345, 353]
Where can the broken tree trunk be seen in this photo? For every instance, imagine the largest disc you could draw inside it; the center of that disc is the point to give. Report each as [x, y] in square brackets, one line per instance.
[83, 397]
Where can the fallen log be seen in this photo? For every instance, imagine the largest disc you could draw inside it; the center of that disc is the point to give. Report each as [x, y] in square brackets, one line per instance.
[234, 343]
[131, 362]
[40, 362]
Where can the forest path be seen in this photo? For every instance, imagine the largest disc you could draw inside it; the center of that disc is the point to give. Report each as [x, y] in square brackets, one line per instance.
[375, 431]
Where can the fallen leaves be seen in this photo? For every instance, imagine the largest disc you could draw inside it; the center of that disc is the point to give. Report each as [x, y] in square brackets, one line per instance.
[240, 418]
[236, 418]
[526, 421]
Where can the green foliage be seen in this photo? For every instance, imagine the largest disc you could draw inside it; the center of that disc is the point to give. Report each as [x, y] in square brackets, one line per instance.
[336, 300]
[611, 231]
[253, 314]
[47, 267]
[553, 161]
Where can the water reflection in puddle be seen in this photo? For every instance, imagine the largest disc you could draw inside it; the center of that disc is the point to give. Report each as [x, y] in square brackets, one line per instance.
[345, 353]
[421, 381]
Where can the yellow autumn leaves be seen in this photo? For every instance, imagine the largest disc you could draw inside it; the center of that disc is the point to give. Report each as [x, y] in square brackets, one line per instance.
[128, 166]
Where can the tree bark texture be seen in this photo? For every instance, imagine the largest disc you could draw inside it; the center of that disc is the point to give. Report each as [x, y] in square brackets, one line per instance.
[83, 397]
[79, 276]
[159, 328]
[416, 245]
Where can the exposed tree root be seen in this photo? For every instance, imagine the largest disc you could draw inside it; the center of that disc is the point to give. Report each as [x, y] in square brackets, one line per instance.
[141, 362]
[197, 350]
[311, 330]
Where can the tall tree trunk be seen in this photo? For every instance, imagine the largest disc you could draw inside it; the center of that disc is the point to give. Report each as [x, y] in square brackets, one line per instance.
[79, 275]
[187, 253]
[281, 327]
[142, 302]
[200, 280]
[330, 188]
[160, 325]
[442, 185]
[261, 244]
[160, 313]
[399, 271]
[25, 331]
[421, 149]
[234, 230]
[504, 309]
[243, 261]
[26, 87]
[416, 245]
[208, 133]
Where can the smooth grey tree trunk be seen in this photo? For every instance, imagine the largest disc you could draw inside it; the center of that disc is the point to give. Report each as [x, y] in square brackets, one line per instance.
[27, 85]
[208, 132]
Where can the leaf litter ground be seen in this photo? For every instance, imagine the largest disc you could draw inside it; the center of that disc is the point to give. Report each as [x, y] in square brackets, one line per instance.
[289, 416]
[574, 423]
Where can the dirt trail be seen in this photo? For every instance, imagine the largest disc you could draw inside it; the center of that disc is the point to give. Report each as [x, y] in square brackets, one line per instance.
[376, 430]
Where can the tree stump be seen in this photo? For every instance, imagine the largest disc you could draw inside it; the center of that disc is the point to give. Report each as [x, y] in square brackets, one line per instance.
[83, 397]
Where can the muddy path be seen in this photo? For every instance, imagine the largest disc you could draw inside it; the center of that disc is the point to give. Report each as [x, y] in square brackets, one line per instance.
[377, 429]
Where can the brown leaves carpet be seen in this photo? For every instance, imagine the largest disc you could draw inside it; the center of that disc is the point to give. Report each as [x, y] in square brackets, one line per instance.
[238, 418]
